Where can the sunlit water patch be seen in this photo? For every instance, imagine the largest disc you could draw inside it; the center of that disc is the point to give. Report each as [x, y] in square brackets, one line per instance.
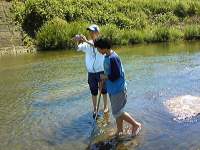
[184, 107]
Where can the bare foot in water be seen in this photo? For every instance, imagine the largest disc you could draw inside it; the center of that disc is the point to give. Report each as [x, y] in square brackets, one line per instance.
[106, 110]
[136, 129]
[111, 133]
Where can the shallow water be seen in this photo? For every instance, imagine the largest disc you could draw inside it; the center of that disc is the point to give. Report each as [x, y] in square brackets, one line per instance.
[45, 101]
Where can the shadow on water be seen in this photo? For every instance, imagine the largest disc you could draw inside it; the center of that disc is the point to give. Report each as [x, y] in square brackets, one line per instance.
[84, 128]
[60, 121]
[76, 130]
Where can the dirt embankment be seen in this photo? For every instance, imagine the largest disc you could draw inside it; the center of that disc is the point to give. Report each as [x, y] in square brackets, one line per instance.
[10, 35]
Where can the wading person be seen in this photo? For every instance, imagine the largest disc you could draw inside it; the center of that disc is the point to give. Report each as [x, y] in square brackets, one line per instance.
[94, 64]
[114, 78]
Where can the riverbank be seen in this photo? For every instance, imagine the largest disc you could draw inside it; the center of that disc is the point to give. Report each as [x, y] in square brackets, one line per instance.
[15, 50]
[10, 35]
[51, 24]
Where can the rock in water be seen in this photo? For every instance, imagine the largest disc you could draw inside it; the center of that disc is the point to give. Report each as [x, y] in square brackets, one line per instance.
[184, 107]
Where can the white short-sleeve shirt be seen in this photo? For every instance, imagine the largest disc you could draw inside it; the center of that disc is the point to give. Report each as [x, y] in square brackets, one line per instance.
[93, 59]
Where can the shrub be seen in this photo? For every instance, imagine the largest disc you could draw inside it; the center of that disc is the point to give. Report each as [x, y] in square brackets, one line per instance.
[161, 34]
[192, 32]
[175, 34]
[124, 36]
[18, 9]
[37, 12]
[149, 35]
[192, 20]
[125, 21]
[122, 21]
[180, 10]
[166, 19]
[111, 31]
[139, 19]
[136, 37]
[193, 9]
[157, 6]
[72, 11]
[57, 34]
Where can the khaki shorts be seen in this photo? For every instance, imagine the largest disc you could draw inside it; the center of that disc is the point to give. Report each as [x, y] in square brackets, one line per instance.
[118, 102]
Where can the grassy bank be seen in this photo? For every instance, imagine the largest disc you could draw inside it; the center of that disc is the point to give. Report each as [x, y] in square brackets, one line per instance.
[52, 23]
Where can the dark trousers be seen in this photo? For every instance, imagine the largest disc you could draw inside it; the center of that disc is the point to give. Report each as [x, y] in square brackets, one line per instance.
[93, 81]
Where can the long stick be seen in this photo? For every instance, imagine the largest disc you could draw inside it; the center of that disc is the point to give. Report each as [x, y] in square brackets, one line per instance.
[99, 98]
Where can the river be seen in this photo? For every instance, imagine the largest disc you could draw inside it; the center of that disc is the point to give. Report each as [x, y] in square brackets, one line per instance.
[45, 102]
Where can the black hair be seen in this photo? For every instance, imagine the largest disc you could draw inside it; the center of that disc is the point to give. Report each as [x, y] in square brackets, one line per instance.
[103, 42]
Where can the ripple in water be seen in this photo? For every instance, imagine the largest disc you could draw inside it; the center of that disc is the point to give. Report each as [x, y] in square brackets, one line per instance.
[184, 107]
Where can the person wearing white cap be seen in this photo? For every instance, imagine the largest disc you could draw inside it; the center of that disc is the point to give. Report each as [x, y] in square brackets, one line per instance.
[94, 64]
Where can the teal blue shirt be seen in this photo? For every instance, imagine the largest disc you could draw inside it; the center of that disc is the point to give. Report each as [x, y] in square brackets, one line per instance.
[114, 70]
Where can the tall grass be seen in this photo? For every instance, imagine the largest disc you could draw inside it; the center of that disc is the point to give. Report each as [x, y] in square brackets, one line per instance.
[192, 32]
[57, 33]
[124, 21]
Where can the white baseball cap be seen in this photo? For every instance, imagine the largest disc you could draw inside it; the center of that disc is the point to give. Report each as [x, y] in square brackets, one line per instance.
[93, 28]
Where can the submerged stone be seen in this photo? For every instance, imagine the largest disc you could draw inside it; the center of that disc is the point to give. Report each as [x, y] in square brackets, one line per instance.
[184, 107]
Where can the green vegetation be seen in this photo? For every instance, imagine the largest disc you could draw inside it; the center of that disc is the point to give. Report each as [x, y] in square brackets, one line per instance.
[57, 34]
[52, 23]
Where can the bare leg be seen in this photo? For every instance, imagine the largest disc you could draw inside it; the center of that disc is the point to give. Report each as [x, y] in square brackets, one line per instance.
[105, 110]
[94, 100]
[106, 117]
[128, 118]
[119, 122]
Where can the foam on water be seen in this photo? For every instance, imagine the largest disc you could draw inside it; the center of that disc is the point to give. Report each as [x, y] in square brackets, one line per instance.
[184, 107]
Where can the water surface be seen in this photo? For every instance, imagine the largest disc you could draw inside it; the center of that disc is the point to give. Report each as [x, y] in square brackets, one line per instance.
[45, 101]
